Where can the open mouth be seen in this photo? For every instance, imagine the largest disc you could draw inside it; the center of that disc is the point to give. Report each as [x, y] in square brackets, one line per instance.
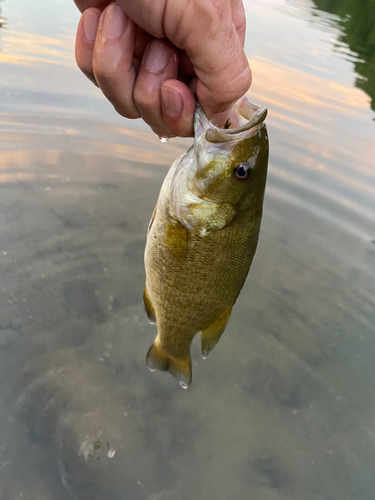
[244, 121]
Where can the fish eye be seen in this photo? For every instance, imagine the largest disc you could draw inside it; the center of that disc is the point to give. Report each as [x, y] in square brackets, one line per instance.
[242, 171]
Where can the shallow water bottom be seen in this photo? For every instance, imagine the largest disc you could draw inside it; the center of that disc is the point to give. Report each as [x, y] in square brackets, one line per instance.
[281, 409]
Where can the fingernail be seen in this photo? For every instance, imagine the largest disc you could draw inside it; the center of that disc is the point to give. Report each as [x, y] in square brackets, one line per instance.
[115, 21]
[90, 24]
[157, 56]
[172, 101]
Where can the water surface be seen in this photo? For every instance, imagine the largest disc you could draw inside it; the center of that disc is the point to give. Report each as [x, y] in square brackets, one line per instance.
[284, 407]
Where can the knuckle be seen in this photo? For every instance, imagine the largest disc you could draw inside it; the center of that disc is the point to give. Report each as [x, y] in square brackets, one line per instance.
[83, 60]
[240, 85]
[117, 89]
[91, 77]
[149, 102]
[103, 71]
[126, 111]
[105, 66]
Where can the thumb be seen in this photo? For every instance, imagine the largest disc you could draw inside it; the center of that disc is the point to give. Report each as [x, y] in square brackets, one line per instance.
[207, 31]
[212, 33]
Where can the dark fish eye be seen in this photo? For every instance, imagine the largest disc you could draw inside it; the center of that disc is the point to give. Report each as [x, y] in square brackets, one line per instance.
[242, 171]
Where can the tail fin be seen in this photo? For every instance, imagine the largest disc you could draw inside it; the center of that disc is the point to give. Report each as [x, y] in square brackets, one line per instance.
[157, 359]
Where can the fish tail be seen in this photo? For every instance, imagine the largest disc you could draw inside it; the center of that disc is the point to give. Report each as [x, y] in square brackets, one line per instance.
[158, 359]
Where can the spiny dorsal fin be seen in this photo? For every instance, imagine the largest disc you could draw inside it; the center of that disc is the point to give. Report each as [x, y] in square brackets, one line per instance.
[157, 359]
[150, 311]
[211, 335]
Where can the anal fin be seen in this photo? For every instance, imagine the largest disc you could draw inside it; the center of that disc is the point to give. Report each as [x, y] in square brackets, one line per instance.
[150, 311]
[211, 335]
[158, 359]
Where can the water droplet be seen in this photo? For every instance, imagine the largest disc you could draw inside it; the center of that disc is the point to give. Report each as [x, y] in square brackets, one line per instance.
[111, 453]
[163, 139]
[204, 354]
[183, 385]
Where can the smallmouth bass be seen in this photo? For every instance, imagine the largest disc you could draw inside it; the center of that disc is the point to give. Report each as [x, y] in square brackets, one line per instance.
[203, 235]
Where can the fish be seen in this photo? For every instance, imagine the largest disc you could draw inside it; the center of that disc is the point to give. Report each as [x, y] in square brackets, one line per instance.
[203, 235]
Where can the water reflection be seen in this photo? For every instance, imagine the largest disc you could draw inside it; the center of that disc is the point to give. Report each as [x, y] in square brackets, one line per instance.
[27, 49]
[2, 19]
[354, 28]
[317, 167]
[357, 24]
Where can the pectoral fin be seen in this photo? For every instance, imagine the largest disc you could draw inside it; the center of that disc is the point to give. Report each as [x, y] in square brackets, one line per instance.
[150, 311]
[158, 359]
[207, 217]
[211, 336]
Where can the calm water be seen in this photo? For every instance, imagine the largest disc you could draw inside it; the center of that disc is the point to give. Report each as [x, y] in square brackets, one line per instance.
[284, 407]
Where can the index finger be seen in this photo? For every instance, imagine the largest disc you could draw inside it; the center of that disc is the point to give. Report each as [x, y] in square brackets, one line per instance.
[206, 31]
[85, 4]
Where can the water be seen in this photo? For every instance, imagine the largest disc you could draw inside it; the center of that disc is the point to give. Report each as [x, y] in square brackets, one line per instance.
[283, 408]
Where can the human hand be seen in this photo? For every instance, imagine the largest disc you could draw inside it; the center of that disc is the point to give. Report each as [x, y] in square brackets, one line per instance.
[149, 56]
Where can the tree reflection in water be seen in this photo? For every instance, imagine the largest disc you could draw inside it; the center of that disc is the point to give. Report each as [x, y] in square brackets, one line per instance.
[2, 20]
[357, 21]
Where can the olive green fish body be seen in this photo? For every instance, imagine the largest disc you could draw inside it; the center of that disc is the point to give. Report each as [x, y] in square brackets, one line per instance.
[201, 242]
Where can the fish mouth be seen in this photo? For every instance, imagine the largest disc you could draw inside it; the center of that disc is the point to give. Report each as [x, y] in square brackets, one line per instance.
[247, 117]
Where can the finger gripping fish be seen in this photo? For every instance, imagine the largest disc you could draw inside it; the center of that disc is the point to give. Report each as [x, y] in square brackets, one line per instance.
[203, 235]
